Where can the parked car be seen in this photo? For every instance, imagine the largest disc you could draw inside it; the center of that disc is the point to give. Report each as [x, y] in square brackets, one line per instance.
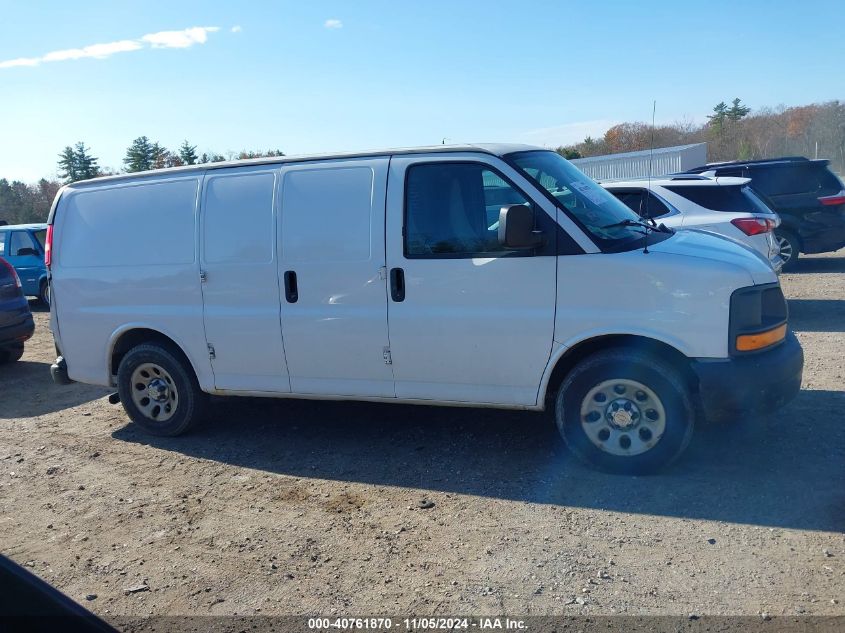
[491, 276]
[16, 324]
[23, 247]
[807, 196]
[727, 206]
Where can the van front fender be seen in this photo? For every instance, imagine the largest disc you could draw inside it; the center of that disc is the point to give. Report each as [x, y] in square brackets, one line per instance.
[565, 354]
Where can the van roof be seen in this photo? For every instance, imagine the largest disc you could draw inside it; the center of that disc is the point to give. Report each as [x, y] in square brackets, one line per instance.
[496, 149]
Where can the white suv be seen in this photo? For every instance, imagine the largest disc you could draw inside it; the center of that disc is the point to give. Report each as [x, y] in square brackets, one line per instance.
[726, 206]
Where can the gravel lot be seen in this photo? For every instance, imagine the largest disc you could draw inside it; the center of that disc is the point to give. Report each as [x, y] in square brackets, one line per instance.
[290, 507]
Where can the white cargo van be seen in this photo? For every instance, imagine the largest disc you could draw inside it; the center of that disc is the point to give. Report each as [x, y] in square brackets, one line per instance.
[488, 275]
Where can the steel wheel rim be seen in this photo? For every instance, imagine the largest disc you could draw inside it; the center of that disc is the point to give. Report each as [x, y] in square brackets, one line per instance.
[785, 249]
[154, 392]
[623, 417]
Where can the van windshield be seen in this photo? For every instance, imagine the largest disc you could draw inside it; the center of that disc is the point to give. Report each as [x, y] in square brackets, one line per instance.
[593, 208]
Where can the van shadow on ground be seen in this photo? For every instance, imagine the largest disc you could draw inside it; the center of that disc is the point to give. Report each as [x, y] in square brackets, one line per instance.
[785, 470]
[27, 390]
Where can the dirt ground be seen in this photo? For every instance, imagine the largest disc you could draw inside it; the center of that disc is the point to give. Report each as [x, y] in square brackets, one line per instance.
[293, 507]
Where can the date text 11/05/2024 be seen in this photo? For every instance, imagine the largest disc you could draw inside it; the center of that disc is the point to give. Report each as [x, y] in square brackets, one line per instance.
[432, 623]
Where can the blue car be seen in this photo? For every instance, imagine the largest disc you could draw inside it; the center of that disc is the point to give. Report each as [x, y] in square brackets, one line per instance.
[22, 245]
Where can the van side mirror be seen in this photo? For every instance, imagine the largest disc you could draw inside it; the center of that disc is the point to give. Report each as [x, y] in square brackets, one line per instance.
[516, 227]
[23, 252]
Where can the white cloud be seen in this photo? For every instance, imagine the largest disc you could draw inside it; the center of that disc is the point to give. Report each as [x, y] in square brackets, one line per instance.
[333, 23]
[98, 51]
[236, 29]
[163, 39]
[180, 39]
[20, 61]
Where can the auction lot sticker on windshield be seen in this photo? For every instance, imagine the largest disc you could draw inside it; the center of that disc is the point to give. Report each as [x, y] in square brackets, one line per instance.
[588, 192]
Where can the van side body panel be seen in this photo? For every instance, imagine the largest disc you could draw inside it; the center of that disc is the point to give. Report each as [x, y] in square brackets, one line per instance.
[241, 296]
[331, 236]
[656, 295]
[127, 254]
[470, 329]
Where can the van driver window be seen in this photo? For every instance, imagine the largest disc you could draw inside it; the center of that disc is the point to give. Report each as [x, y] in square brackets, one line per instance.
[453, 209]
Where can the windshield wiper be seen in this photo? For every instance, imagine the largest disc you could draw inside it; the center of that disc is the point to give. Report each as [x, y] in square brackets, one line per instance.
[649, 226]
[626, 222]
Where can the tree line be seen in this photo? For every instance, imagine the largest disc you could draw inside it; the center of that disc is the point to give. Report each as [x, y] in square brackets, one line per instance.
[732, 131]
[21, 202]
[78, 163]
[735, 131]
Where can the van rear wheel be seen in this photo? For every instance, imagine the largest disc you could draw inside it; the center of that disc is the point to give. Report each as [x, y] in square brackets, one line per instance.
[159, 391]
[625, 411]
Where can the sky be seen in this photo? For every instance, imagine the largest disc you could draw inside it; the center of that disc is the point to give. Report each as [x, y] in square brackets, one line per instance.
[320, 76]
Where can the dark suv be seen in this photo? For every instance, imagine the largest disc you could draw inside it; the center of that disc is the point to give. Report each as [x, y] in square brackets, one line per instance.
[807, 196]
[16, 324]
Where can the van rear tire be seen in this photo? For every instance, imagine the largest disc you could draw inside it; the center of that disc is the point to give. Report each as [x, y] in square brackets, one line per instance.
[159, 390]
[624, 411]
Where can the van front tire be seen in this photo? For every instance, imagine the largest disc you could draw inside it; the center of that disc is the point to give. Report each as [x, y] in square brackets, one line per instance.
[624, 411]
[159, 390]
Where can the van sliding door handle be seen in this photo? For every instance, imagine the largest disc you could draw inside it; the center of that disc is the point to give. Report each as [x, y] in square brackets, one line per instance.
[397, 284]
[291, 289]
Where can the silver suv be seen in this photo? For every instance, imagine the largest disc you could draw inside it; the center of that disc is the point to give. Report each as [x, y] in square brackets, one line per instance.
[727, 206]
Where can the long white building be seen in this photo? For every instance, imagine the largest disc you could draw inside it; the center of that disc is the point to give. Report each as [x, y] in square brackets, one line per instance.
[664, 160]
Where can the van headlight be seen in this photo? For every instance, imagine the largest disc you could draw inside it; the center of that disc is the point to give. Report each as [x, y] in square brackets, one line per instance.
[758, 318]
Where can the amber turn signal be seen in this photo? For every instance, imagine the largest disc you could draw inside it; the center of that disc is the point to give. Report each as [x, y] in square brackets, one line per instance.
[750, 342]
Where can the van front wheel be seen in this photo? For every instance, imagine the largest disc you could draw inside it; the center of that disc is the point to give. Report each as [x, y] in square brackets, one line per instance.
[158, 391]
[625, 411]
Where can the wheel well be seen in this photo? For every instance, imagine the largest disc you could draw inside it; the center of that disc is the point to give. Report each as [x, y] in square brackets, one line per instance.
[616, 341]
[138, 336]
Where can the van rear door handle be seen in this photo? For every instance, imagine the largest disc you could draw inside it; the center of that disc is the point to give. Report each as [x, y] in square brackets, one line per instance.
[291, 289]
[397, 284]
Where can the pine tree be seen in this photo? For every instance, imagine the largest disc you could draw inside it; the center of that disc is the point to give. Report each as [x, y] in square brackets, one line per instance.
[77, 163]
[86, 165]
[139, 155]
[720, 112]
[67, 165]
[737, 111]
[188, 153]
[160, 156]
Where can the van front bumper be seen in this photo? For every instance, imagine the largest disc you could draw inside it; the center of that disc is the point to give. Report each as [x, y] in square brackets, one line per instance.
[756, 383]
